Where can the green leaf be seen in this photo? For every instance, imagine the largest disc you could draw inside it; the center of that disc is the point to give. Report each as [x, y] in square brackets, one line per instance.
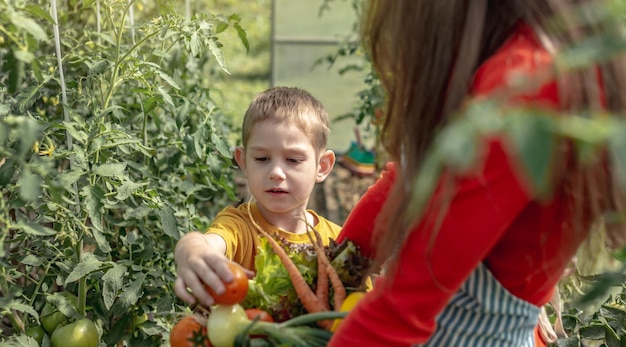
[20, 341]
[31, 260]
[424, 184]
[169, 80]
[19, 306]
[220, 27]
[4, 110]
[612, 339]
[65, 302]
[15, 69]
[589, 51]
[38, 11]
[94, 204]
[219, 55]
[457, 144]
[27, 97]
[34, 229]
[118, 330]
[127, 189]
[76, 134]
[94, 197]
[593, 331]
[243, 37]
[198, 139]
[571, 341]
[113, 280]
[194, 44]
[613, 313]
[30, 185]
[111, 170]
[133, 292]
[534, 140]
[24, 56]
[166, 96]
[221, 145]
[98, 68]
[88, 265]
[602, 283]
[168, 222]
[66, 179]
[28, 25]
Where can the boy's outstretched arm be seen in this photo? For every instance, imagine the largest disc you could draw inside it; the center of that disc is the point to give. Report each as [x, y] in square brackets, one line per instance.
[200, 260]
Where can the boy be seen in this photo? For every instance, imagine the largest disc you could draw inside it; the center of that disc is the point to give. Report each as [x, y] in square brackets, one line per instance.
[284, 154]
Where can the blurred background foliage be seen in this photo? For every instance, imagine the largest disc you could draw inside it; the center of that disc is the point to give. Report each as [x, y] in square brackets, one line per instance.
[113, 151]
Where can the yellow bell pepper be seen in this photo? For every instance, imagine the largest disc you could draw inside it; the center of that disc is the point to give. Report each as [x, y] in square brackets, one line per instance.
[348, 304]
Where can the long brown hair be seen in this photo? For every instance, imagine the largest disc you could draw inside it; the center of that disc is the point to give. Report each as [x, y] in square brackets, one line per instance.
[426, 53]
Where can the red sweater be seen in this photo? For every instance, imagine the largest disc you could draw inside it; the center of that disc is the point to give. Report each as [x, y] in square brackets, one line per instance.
[491, 218]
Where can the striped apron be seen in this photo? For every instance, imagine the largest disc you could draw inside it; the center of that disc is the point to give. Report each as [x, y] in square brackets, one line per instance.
[483, 313]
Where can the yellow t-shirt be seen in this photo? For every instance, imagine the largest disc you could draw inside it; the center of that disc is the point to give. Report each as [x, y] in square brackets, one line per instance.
[233, 224]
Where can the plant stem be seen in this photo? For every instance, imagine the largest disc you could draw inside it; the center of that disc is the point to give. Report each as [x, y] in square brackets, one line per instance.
[82, 282]
[14, 317]
[118, 47]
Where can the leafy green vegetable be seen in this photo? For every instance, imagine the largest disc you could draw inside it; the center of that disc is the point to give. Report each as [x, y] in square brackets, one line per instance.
[351, 265]
[271, 290]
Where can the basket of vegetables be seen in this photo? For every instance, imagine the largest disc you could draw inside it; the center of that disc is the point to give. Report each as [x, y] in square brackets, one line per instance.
[298, 297]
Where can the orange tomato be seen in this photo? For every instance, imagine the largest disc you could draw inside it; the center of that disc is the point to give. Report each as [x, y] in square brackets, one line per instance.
[189, 332]
[235, 291]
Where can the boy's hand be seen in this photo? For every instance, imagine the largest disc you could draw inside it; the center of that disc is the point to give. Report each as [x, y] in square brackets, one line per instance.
[200, 260]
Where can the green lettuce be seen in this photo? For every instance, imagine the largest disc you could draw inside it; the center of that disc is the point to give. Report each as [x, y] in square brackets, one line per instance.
[271, 290]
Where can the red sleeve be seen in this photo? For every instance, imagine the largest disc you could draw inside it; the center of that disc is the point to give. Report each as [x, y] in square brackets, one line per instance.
[403, 312]
[359, 225]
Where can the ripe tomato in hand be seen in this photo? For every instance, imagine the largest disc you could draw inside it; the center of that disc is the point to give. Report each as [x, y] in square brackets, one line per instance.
[235, 291]
[263, 316]
[188, 332]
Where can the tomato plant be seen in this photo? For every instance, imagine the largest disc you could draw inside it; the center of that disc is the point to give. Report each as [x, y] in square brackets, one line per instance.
[81, 333]
[189, 332]
[235, 291]
[98, 183]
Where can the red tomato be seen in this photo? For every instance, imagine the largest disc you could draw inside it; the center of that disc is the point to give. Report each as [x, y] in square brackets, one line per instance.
[235, 291]
[263, 316]
[188, 332]
[252, 313]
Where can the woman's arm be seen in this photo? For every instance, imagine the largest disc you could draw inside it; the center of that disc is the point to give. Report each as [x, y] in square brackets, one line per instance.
[359, 225]
[401, 310]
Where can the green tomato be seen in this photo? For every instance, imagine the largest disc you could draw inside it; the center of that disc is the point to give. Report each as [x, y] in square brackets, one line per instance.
[139, 319]
[81, 333]
[51, 317]
[36, 332]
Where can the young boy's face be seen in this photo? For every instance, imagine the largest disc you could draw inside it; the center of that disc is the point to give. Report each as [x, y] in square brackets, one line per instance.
[282, 167]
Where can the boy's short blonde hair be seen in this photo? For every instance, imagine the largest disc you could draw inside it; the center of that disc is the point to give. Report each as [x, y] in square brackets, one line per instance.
[291, 105]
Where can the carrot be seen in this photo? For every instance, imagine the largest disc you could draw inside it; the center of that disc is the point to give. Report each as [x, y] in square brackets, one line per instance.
[309, 300]
[339, 290]
[321, 291]
[322, 282]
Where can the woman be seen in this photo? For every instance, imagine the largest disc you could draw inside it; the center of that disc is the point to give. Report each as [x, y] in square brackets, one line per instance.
[486, 252]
